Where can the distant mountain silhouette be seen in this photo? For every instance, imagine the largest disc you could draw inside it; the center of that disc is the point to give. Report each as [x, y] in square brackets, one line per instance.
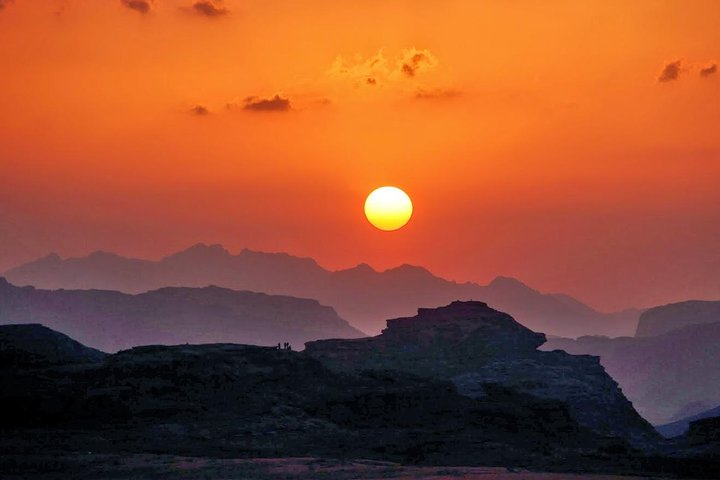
[668, 376]
[474, 345]
[34, 344]
[112, 321]
[680, 427]
[665, 318]
[360, 294]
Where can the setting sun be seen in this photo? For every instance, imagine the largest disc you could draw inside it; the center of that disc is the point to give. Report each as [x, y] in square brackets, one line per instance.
[388, 208]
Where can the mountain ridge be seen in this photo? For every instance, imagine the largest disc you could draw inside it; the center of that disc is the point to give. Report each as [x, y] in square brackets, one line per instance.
[112, 320]
[361, 295]
[668, 376]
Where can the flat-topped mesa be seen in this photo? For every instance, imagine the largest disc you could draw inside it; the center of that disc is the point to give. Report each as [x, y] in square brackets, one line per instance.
[435, 340]
[462, 322]
[476, 347]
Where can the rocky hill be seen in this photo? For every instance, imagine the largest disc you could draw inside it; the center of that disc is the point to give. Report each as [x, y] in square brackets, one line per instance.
[112, 321]
[248, 401]
[361, 295]
[34, 344]
[474, 345]
[667, 377]
[666, 318]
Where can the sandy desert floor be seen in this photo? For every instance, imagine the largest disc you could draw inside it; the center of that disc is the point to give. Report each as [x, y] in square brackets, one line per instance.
[146, 466]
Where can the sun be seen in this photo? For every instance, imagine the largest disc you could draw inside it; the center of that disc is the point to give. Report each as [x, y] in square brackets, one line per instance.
[388, 208]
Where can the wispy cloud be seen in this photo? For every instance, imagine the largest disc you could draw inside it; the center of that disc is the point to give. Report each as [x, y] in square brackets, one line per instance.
[209, 8]
[671, 71]
[436, 94]
[142, 6]
[414, 61]
[274, 104]
[709, 70]
[199, 110]
[377, 70]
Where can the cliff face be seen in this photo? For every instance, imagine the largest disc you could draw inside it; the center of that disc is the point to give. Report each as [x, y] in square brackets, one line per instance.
[476, 346]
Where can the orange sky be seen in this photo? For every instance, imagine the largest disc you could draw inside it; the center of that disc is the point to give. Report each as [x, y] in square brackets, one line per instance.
[534, 138]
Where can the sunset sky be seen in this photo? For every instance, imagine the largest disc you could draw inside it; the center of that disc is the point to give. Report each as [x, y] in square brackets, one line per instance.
[574, 145]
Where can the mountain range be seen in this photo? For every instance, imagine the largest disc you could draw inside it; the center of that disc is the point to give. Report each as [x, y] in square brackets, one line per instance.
[681, 426]
[111, 321]
[666, 318]
[669, 376]
[361, 295]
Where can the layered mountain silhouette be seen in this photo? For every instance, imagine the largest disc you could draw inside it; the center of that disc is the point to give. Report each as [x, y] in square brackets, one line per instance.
[666, 318]
[347, 399]
[681, 426]
[112, 321]
[361, 295]
[667, 377]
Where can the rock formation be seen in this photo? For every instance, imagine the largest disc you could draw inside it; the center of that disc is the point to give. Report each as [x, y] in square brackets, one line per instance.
[475, 346]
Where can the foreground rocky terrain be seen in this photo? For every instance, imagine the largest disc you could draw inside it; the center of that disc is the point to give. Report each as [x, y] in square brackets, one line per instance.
[112, 321]
[463, 385]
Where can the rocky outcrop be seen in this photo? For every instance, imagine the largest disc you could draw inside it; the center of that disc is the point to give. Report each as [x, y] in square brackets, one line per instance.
[475, 346]
[666, 318]
[112, 321]
[33, 344]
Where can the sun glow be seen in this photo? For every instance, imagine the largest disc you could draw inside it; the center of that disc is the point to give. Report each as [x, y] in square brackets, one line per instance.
[388, 208]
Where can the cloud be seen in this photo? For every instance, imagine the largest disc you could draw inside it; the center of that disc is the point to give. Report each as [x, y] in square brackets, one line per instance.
[436, 94]
[142, 6]
[360, 70]
[5, 3]
[199, 110]
[671, 71]
[209, 8]
[414, 61]
[709, 70]
[274, 104]
[377, 70]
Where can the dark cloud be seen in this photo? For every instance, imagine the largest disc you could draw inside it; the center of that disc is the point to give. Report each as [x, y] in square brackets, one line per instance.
[199, 110]
[416, 60]
[671, 71]
[142, 6]
[436, 94]
[209, 8]
[371, 81]
[709, 70]
[5, 3]
[412, 65]
[274, 104]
